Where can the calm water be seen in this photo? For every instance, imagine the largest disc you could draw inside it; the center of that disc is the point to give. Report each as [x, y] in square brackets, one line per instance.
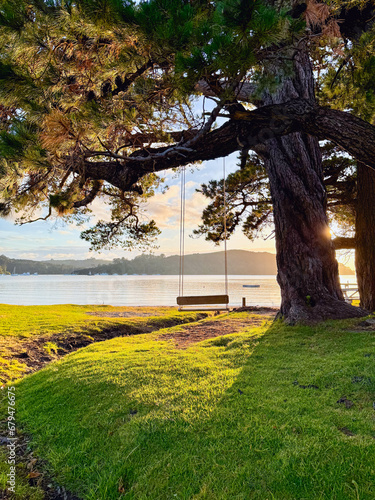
[135, 290]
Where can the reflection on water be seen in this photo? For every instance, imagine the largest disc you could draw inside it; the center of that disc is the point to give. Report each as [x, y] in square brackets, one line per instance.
[135, 290]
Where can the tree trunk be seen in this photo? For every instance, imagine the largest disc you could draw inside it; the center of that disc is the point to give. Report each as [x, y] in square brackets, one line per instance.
[365, 236]
[307, 267]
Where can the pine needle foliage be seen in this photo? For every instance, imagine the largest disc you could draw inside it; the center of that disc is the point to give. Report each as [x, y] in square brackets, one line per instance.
[102, 80]
[344, 59]
[350, 63]
[96, 78]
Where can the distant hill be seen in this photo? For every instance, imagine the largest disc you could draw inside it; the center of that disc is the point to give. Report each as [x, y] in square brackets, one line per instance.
[20, 266]
[239, 262]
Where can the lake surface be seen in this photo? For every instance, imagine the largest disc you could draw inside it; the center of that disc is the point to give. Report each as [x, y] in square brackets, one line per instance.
[135, 290]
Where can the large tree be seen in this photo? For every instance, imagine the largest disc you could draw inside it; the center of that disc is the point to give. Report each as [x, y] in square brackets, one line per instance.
[350, 209]
[104, 97]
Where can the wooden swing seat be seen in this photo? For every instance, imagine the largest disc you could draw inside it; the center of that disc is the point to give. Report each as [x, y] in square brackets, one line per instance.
[203, 300]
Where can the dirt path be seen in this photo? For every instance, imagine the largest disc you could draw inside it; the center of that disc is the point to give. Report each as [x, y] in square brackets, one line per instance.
[191, 334]
[34, 352]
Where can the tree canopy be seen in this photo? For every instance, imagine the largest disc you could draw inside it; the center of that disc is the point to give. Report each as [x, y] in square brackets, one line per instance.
[97, 85]
[105, 91]
[100, 96]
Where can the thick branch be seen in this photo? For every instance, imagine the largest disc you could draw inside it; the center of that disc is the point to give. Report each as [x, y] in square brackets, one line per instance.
[123, 85]
[138, 139]
[246, 129]
[124, 172]
[351, 133]
[90, 196]
[342, 243]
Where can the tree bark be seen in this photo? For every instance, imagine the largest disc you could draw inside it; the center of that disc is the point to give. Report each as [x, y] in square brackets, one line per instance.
[349, 132]
[307, 267]
[246, 129]
[365, 236]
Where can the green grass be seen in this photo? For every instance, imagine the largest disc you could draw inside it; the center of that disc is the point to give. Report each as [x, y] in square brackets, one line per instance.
[27, 321]
[19, 324]
[136, 418]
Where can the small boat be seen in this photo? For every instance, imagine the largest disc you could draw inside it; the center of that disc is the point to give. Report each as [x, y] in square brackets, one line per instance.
[251, 286]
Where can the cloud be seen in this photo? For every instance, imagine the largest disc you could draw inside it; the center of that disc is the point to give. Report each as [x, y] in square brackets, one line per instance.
[12, 237]
[47, 252]
[100, 211]
[165, 207]
[28, 255]
[75, 243]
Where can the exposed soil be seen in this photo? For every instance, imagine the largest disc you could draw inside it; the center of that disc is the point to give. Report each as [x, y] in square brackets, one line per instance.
[272, 311]
[368, 325]
[191, 334]
[346, 402]
[126, 314]
[346, 431]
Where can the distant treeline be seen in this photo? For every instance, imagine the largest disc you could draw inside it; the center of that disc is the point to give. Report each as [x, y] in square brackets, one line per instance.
[239, 262]
[21, 266]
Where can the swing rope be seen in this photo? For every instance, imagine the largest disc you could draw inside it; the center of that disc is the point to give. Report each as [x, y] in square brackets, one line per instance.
[182, 231]
[225, 230]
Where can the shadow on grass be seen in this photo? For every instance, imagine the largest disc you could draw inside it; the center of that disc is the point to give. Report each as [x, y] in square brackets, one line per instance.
[251, 415]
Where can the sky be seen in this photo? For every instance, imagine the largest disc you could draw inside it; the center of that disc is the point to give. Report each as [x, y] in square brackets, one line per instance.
[43, 240]
[55, 239]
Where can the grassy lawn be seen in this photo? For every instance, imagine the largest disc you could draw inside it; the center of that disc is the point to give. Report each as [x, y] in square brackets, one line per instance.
[250, 415]
[20, 325]
[25, 321]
